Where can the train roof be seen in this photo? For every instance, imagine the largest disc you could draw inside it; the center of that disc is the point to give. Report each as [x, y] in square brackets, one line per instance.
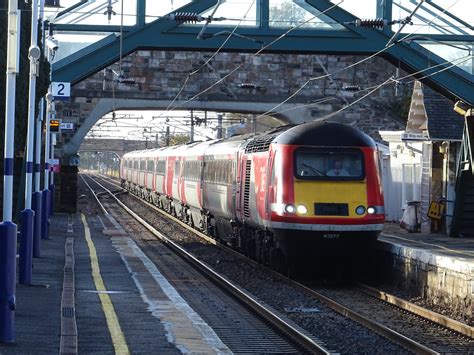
[316, 133]
[326, 134]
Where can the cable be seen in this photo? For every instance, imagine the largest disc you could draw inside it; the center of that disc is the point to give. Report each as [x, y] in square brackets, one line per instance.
[350, 66]
[252, 56]
[207, 61]
[458, 61]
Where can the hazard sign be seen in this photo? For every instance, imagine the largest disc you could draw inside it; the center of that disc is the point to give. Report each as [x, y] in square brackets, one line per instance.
[436, 210]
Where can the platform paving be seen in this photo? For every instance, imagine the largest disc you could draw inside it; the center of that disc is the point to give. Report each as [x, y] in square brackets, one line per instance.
[112, 310]
[37, 316]
[439, 244]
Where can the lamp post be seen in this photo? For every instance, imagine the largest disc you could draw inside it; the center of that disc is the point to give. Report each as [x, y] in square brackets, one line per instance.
[8, 229]
[37, 196]
[46, 192]
[27, 215]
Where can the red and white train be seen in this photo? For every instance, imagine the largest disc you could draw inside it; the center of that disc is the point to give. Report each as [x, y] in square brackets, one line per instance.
[275, 195]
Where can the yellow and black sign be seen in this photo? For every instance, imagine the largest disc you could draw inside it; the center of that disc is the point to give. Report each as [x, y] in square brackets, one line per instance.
[54, 125]
[436, 210]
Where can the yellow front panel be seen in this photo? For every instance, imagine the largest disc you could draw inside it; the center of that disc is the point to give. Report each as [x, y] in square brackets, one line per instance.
[310, 192]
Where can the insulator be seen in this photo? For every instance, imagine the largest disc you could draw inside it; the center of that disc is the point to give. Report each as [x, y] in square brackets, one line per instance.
[373, 23]
[351, 88]
[127, 81]
[185, 17]
[248, 86]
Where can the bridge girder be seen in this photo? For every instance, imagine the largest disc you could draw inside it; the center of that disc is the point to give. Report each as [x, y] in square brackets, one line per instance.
[164, 34]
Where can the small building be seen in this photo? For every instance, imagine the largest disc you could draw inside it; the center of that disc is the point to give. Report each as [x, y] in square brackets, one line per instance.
[423, 159]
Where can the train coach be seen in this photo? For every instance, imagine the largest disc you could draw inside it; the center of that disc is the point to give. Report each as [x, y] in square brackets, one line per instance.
[310, 189]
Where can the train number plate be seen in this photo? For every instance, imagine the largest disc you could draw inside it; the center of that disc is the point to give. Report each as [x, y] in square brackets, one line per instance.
[331, 235]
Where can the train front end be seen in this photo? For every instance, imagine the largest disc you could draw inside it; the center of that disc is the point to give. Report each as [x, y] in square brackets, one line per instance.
[325, 186]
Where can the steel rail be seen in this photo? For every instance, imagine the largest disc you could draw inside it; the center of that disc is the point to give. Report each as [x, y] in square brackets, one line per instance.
[418, 310]
[263, 311]
[95, 195]
[377, 327]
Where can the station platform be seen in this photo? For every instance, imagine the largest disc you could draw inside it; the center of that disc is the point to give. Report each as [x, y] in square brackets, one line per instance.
[435, 267]
[94, 291]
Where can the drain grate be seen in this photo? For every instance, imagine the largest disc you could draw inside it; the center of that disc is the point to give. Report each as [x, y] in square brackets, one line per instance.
[68, 312]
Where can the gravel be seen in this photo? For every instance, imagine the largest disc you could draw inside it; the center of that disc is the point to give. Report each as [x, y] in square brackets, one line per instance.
[337, 332]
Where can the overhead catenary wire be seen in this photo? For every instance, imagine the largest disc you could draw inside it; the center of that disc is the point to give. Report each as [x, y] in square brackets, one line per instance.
[252, 56]
[390, 80]
[291, 29]
[219, 81]
[349, 66]
[208, 60]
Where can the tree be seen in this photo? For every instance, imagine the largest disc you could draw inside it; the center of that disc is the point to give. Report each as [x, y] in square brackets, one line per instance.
[292, 13]
[175, 139]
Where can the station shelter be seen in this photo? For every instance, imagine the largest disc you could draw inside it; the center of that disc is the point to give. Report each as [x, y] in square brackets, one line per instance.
[423, 161]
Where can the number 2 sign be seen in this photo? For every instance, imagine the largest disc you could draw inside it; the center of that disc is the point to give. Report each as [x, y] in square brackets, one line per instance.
[61, 91]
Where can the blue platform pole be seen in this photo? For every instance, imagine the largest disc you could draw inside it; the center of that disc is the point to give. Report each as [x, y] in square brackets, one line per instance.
[37, 207]
[26, 247]
[8, 232]
[52, 191]
[27, 215]
[8, 229]
[37, 202]
[45, 216]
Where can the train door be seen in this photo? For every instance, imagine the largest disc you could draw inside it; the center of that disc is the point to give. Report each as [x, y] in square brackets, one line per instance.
[135, 171]
[150, 168]
[176, 179]
[142, 174]
[169, 176]
[234, 175]
[182, 183]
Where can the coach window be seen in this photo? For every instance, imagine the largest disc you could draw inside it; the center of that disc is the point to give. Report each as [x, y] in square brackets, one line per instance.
[135, 164]
[161, 167]
[142, 164]
[150, 166]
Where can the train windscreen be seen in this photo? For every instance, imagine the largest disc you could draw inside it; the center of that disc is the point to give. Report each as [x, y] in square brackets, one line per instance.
[329, 164]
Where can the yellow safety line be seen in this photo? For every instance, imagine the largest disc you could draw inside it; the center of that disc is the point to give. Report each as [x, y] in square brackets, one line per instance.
[466, 253]
[118, 338]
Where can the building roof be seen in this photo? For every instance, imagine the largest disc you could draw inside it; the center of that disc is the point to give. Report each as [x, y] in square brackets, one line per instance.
[443, 122]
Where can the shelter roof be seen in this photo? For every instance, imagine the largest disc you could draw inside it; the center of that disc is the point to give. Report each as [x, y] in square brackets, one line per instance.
[443, 122]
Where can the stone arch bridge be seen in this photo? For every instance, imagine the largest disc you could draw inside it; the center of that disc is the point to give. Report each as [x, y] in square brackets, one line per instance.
[117, 146]
[153, 78]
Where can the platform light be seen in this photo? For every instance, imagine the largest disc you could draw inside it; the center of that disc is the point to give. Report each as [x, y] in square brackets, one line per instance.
[360, 210]
[301, 209]
[371, 210]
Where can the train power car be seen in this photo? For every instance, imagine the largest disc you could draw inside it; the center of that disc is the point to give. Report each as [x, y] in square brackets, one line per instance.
[277, 196]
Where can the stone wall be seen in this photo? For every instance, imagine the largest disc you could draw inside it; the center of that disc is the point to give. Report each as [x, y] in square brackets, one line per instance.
[152, 79]
[439, 280]
[159, 76]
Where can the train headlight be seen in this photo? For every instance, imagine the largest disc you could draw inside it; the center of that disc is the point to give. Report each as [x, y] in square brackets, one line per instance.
[360, 210]
[371, 210]
[290, 208]
[301, 209]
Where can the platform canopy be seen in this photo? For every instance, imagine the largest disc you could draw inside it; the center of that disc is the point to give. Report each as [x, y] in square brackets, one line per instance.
[433, 39]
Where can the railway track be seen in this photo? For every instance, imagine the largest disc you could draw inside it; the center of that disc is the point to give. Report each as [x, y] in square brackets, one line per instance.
[394, 319]
[301, 340]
